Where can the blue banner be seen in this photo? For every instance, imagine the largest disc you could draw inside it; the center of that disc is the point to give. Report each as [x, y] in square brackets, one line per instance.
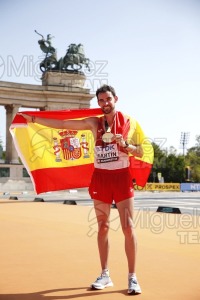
[190, 187]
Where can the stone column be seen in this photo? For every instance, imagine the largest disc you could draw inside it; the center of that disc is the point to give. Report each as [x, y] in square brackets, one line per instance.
[11, 153]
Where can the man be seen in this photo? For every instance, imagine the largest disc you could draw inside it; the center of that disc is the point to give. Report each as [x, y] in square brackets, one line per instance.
[111, 179]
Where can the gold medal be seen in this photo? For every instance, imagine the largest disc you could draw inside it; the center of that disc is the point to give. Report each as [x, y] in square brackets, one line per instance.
[108, 137]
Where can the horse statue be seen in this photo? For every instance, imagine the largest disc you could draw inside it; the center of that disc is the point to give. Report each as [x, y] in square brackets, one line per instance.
[50, 60]
[49, 63]
[74, 59]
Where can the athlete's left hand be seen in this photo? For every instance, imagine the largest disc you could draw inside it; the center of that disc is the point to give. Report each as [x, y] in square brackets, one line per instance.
[119, 139]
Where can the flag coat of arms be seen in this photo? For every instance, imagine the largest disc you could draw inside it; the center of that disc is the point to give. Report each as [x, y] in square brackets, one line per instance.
[64, 159]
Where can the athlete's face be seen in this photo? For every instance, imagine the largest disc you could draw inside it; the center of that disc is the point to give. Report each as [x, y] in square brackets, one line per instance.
[107, 102]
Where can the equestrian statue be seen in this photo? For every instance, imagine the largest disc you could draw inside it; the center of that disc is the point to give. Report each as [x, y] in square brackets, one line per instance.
[72, 62]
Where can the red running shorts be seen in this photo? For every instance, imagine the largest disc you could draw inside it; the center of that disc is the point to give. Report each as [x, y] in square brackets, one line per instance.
[109, 185]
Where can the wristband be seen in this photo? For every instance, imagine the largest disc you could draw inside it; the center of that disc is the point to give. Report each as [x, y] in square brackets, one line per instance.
[126, 145]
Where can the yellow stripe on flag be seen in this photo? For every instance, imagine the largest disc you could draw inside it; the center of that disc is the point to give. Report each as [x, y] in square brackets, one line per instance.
[42, 146]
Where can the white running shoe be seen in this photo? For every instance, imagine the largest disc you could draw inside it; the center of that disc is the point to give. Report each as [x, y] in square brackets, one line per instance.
[133, 286]
[102, 282]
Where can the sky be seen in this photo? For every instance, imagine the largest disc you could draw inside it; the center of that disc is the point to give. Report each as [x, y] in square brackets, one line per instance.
[148, 50]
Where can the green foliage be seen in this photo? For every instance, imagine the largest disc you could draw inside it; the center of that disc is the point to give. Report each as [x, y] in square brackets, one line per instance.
[193, 160]
[1, 149]
[2, 153]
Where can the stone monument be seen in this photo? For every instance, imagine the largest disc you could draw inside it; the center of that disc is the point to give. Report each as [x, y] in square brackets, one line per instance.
[67, 71]
[62, 87]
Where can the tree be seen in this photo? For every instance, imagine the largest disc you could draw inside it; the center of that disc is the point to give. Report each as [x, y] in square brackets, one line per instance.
[193, 160]
[174, 170]
[159, 162]
[1, 148]
[169, 164]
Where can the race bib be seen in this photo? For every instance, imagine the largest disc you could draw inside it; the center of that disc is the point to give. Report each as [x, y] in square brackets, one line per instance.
[106, 154]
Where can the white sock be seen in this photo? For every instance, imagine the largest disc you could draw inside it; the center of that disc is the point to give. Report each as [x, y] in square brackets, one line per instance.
[105, 272]
[131, 275]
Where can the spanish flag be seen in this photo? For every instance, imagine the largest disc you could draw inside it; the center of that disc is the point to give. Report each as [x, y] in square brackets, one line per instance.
[64, 159]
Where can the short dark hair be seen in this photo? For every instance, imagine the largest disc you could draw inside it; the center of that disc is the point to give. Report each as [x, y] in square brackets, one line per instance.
[105, 88]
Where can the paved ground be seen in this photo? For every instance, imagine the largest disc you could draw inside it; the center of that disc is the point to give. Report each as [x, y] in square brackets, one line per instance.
[187, 202]
[49, 250]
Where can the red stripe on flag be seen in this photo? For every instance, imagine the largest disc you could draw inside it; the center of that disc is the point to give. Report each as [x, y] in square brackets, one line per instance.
[140, 171]
[54, 179]
[59, 115]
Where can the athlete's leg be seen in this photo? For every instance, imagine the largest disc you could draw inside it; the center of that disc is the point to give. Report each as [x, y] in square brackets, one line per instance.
[125, 209]
[103, 213]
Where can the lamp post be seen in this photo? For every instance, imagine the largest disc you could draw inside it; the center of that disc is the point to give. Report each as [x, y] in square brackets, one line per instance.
[184, 140]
